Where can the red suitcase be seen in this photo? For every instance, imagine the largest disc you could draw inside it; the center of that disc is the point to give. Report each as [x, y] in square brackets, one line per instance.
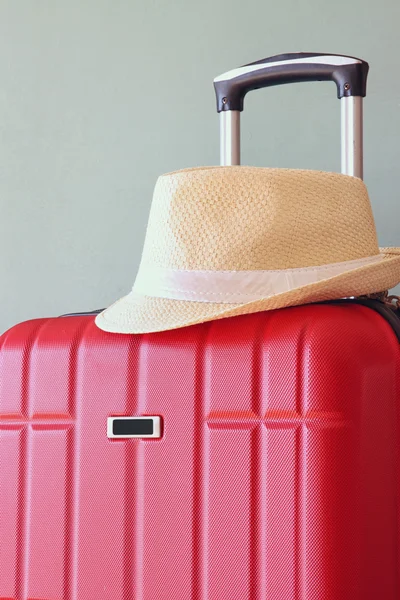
[267, 466]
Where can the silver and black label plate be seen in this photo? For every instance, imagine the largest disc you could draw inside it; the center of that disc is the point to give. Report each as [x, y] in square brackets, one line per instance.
[133, 427]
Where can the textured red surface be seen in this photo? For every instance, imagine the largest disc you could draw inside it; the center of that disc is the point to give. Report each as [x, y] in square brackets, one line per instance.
[276, 478]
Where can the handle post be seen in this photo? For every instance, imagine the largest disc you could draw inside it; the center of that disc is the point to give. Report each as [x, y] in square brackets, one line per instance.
[352, 136]
[230, 137]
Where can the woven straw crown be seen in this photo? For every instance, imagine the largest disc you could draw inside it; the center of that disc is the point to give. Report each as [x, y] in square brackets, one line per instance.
[230, 220]
[249, 218]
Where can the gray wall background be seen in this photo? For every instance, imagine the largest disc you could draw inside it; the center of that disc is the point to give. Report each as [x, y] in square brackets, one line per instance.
[99, 97]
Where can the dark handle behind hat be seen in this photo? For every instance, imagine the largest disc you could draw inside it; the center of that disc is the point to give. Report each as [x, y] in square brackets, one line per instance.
[349, 74]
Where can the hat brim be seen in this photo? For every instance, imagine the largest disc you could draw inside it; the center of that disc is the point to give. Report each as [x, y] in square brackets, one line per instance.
[135, 313]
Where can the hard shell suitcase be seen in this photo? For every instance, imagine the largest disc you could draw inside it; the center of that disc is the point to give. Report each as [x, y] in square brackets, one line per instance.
[255, 457]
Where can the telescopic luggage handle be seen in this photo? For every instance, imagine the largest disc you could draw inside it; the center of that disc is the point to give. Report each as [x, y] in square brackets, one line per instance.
[349, 74]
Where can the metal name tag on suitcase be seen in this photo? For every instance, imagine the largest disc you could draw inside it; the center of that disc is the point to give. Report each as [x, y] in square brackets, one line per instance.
[253, 457]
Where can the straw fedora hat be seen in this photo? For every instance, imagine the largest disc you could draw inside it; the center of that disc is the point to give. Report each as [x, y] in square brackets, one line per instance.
[225, 241]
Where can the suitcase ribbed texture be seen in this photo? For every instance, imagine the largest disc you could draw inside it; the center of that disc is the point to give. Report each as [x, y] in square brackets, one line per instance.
[276, 476]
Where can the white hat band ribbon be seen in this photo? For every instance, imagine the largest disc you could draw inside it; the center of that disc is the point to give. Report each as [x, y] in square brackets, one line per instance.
[234, 287]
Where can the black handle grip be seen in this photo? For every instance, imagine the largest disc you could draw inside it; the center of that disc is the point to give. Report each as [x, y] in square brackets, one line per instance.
[349, 74]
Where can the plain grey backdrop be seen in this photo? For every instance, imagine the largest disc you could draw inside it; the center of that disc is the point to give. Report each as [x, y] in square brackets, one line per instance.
[97, 98]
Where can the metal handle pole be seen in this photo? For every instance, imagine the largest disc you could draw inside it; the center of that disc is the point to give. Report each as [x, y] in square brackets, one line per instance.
[352, 135]
[230, 137]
